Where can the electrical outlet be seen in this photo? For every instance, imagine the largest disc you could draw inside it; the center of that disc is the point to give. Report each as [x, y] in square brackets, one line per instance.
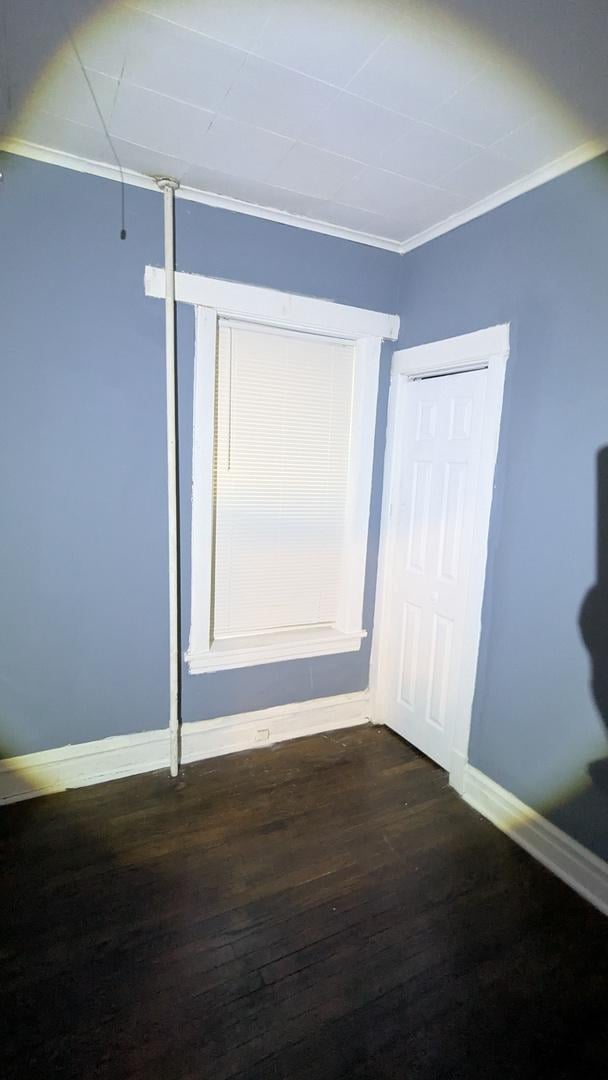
[262, 734]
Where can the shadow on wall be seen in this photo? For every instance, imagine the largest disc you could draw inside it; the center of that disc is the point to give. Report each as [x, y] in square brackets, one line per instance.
[594, 617]
[585, 813]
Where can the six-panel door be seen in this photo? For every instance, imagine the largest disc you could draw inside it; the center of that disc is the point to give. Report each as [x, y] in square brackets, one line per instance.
[432, 520]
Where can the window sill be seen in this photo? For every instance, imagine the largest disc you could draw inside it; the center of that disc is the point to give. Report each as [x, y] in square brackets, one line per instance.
[272, 648]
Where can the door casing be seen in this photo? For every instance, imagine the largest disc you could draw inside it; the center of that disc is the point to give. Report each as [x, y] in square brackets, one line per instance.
[488, 348]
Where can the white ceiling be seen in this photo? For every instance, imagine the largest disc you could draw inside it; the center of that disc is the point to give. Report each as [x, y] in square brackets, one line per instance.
[390, 118]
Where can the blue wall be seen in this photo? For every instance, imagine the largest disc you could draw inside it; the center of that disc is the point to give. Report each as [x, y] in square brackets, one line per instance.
[540, 263]
[83, 564]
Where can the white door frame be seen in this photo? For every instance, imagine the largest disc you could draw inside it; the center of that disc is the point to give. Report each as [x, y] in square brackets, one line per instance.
[488, 349]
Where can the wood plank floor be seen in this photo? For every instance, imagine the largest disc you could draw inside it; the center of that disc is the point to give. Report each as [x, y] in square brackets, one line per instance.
[325, 908]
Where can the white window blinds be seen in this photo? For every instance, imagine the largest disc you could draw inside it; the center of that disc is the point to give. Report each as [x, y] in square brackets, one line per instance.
[282, 443]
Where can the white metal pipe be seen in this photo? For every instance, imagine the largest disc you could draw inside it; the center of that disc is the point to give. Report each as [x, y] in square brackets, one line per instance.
[168, 186]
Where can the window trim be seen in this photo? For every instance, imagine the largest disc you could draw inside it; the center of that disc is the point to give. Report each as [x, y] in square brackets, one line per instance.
[213, 299]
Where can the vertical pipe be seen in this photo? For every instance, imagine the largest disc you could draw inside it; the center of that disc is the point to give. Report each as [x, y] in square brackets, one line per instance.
[168, 188]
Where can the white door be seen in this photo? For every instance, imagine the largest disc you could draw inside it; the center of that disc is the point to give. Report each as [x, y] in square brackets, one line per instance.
[432, 547]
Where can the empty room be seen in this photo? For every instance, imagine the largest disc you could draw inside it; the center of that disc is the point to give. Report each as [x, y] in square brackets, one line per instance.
[304, 539]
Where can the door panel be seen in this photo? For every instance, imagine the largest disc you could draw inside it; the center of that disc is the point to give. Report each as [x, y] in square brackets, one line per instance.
[440, 424]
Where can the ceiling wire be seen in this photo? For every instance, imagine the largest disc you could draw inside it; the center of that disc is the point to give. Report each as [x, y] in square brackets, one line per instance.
[65, 20]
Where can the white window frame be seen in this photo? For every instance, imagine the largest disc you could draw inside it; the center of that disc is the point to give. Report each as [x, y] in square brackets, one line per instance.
[214, 299]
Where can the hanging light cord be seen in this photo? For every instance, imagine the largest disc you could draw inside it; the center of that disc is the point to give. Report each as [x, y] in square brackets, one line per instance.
[123, 230]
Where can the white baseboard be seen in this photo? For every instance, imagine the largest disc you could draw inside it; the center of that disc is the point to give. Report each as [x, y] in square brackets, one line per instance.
[585, 872]
[211, 738]
[67, 767]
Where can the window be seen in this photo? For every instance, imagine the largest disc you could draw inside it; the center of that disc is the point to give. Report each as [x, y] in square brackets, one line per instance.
[282, 447]
[284, 420]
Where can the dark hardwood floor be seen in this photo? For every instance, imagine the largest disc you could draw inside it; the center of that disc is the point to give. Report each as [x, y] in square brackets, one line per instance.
[325, 908]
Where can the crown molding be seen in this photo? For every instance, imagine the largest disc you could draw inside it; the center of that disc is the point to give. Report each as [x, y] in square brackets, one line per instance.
[579, 156]
[23, 148]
